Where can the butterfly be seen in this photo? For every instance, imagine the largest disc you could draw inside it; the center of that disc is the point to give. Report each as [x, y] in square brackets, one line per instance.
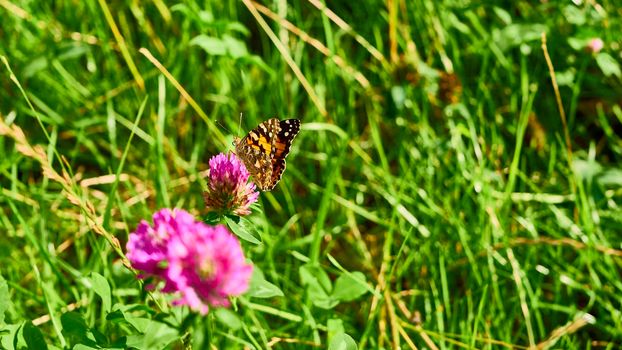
[263, 150]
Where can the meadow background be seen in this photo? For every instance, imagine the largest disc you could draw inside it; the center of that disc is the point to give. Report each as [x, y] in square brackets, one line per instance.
[444, 192]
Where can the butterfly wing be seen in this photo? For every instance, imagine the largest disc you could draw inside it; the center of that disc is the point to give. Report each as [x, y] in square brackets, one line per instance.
[288, 129]
[256, 150]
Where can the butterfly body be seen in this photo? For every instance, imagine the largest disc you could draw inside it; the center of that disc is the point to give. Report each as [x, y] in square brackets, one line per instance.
[263, 150]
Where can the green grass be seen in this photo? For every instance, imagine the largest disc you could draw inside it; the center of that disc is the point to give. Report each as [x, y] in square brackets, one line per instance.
[430, 199]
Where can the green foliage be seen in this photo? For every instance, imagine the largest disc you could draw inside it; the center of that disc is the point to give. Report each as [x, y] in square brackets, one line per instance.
[241, 230]
[33, 337]
[260, 288]
[342, 341]
[4, 298]
[431, 197]
[102, 288]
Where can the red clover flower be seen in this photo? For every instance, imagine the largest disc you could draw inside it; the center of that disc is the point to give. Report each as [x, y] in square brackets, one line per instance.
[203, 264]
[595, 45]
[228, 190]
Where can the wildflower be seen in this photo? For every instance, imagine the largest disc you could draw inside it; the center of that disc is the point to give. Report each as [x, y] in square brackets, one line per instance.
[147, 246]
[595, 45]
[228, 190]
[204, 265]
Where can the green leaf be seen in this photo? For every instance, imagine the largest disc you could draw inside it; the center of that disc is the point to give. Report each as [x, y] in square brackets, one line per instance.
[102, 288]
[76, 330]
[315, 275]
[608, 65]
[515, 35]
[242, 232]
[610, 178]
[586, 169]
[84, 347]
[398, 94]
[578, 44]
[228, 318]
[213, 46]
[260, 288]
[132, 314]
[342, 341]
[237, 27]
[257, 61]
[318, 285]
[235, 47]
[574, 15]
[139, 323]
[350, 286]
[9, 339]
[334, 327]
[35, 66]
[566, 77]
[73, 322]
[157, 336]
[34, 337]
[503, 15]
[211, 218]
[325, 302]
[4, 298]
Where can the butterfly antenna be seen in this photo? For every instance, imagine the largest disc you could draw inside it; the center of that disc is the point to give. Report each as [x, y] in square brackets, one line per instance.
[222, 126]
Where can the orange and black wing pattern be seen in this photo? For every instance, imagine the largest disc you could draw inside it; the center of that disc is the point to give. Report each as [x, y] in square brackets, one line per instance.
[264, 149]
[289, 128]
